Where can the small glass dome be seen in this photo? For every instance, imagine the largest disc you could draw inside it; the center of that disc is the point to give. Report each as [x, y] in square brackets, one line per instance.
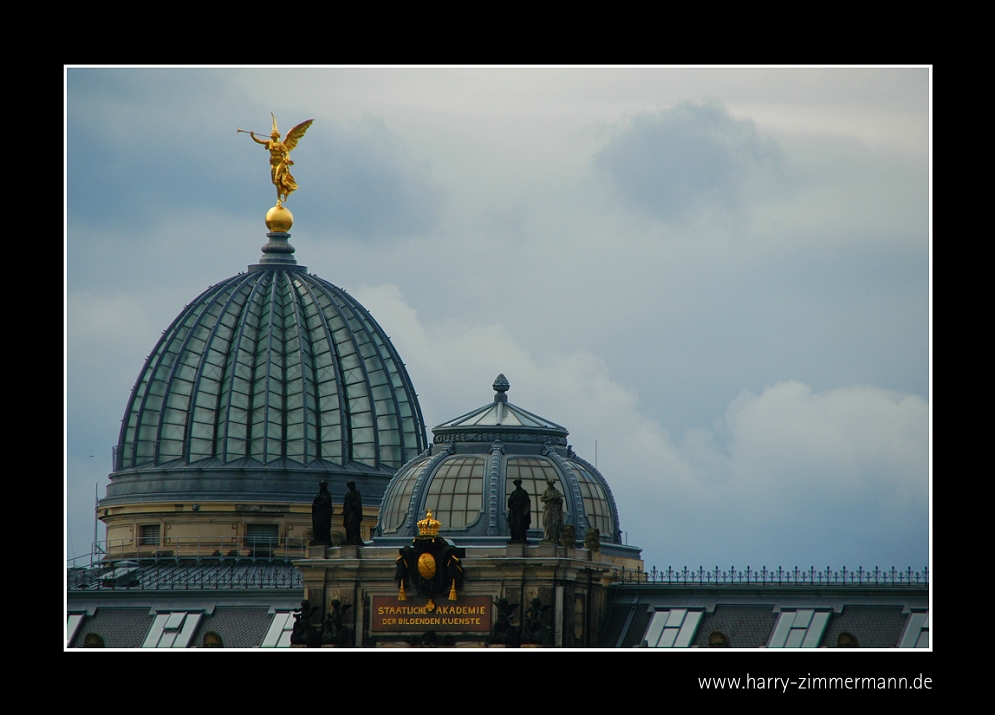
[468, 475]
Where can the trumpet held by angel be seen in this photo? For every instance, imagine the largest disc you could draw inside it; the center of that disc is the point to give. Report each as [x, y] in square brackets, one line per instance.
[279, 157]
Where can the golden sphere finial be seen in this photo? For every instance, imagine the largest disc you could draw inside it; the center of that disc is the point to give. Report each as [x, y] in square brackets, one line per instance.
[279, 218]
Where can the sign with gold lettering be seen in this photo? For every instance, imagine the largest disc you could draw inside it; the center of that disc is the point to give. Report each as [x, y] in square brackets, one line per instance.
[469, 614]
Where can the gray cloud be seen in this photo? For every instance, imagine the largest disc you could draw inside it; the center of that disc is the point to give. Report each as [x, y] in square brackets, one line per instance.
[370, 185]
[678, 162]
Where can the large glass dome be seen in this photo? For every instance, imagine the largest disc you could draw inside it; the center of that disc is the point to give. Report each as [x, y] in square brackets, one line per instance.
[265, 383]
[476, 459]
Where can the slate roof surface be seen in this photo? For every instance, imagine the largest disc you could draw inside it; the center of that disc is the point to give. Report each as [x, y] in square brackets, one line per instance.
[238, 627]
[743, 626]
[119, 627]
[873, 626]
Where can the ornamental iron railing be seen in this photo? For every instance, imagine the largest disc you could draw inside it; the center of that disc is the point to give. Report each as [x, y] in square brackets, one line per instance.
[773, 577]
[188, 563]
[132, 576]
[151, 547]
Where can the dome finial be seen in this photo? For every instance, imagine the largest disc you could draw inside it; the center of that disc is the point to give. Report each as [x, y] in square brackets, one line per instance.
[501, 386]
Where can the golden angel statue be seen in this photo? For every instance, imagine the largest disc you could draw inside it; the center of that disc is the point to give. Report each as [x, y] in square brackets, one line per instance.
[279, 157]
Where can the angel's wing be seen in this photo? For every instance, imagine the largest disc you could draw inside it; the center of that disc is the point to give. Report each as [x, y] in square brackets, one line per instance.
[295, 134]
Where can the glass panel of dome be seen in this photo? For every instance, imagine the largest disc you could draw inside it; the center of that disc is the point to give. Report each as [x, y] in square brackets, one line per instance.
[378, 379]
[329, 401]
[390, 456]
[362, 420]
[207, 394]
[177, 401]
[332, 451]
[181, 387]
[171, 431]
[363, 453]
[348, 361]
[447, 495]
[237, 418]
[355, 390]
[211, 372]
[295, 431]
[397, 499]
[144, 450]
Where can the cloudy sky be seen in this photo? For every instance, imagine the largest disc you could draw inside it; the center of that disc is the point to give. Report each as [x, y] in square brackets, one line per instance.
[720, 276]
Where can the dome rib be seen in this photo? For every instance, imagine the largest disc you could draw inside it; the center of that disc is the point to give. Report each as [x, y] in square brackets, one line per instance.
[268, 384]
[366, 380]
[201, 374]
[235, 350]
[308, 414]
[336, 368]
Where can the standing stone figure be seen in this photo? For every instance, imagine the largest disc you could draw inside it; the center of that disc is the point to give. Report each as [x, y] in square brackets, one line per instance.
[568, 536]
[321, 516]
[552, 513]
[352, 515]
[592, 539]
[519, 513]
